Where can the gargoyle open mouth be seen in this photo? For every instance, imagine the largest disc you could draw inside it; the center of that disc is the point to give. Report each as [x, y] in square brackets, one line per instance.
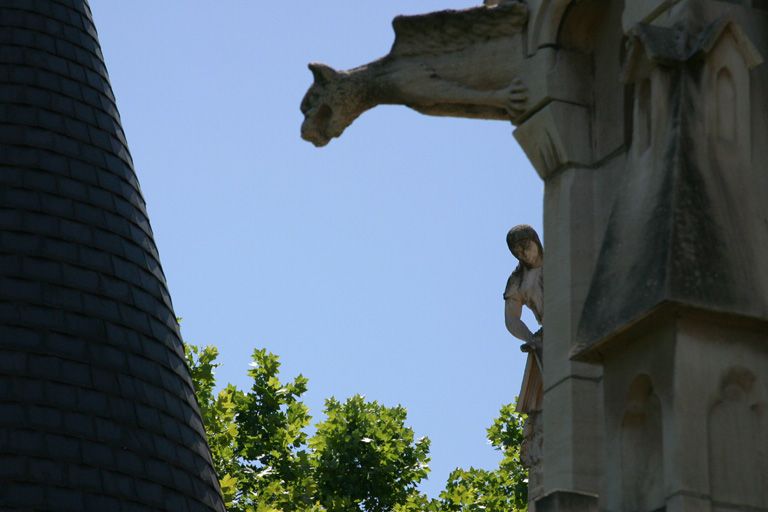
[315, 126]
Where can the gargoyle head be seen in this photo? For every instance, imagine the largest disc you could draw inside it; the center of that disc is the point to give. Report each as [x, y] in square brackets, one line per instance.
[330, 105]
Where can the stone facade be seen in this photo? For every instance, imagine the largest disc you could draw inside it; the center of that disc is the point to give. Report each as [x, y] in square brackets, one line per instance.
[646, 119]
[97, 411]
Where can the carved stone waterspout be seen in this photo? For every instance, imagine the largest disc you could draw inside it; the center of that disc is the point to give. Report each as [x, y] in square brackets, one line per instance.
[450, 63]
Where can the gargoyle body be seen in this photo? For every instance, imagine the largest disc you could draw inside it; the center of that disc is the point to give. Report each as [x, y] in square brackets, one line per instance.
[448, 63]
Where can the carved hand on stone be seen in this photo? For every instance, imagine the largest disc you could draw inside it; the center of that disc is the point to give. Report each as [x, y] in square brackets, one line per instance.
[535, 344]
[517, 99]
[448, 63]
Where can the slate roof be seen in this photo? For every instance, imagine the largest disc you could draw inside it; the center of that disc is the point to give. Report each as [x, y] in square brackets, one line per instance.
[97, 410]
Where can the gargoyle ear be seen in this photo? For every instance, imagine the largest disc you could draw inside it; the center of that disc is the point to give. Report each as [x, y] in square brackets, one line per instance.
[322, 73]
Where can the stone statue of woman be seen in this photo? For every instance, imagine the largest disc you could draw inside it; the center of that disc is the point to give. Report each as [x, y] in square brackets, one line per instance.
[525, 287]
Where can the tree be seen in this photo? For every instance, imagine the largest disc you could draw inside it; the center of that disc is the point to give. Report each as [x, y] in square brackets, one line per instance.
[362, 456]
[258, 439]
[506, 435]
[218, 413]
[271, 437]
[365, 456]
[505, 488]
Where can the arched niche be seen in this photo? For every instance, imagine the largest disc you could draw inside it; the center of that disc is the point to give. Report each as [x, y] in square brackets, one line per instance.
[578, 25]
[548, 17]
[729, 60]
[544, 25]
[642, 449]
[738, 443]
[643, 116]
[726, 106]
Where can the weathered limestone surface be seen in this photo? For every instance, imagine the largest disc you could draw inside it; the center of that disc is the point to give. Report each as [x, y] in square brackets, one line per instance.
[645, 11]
[685, 403]
[682, 339]
[695, 236]
[448, 63]
[647, 122]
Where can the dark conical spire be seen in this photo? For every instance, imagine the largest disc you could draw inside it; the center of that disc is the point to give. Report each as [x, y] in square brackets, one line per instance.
[97, 410]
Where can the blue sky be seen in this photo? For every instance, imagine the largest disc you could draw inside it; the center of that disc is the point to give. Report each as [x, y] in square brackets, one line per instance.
[374, 265]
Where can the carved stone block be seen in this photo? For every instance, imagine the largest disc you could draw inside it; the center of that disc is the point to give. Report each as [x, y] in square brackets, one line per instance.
[561, 501]
[684, 217]
[686, 416]
[546, 19]
[557, 75]
[557, 135]
[644, 11]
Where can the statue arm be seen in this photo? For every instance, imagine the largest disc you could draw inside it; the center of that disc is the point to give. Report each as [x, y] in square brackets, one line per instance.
[513, 309]
[434, 96]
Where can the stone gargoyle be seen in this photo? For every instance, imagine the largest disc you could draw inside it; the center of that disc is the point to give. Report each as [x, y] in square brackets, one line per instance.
[459, 63]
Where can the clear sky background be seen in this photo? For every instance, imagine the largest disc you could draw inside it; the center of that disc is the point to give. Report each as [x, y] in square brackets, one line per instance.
[375, 265]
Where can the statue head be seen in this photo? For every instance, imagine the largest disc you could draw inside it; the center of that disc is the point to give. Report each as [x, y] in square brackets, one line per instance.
[524, 244]
[332, 102]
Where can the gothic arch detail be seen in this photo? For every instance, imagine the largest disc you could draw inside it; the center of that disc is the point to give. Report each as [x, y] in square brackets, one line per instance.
[726, 112]
[545, 23]
[738, 442]
[642, 460]
[643, 117]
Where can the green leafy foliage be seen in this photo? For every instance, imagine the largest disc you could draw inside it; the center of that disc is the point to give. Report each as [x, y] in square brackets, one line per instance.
[258, 438]
[506, 435]
[271, 438]
[218, 412]
[362, 456]
[505, 488]
[366, 458]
